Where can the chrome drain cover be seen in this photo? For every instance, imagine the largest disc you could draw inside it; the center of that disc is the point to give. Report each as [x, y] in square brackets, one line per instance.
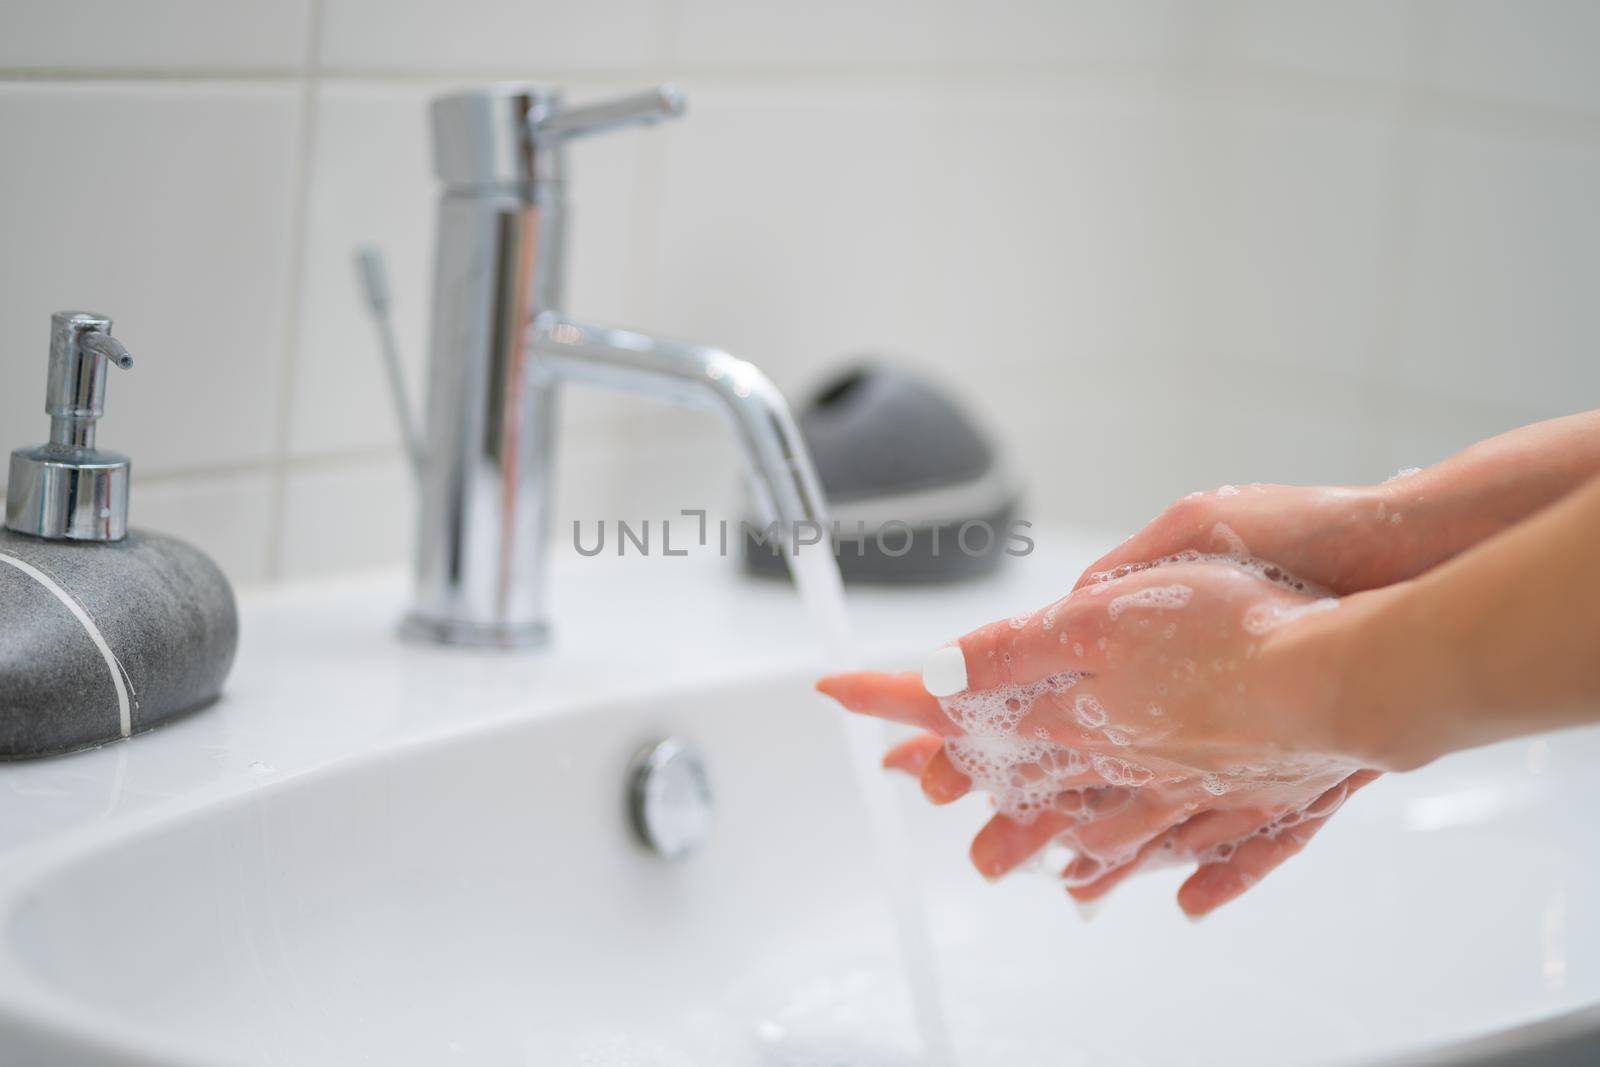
[669, 797]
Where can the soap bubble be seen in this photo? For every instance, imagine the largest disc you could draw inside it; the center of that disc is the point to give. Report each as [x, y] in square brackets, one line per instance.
[1160, 597]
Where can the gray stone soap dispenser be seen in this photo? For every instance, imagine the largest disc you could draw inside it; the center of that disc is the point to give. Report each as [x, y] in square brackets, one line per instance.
[104, 631]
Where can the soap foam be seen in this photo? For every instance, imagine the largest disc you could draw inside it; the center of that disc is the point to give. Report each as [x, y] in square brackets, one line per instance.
[997, 711]
[1118, 771]
[1024, 775]
[1061, 763]
[1088, 711]
[1260, 619]
[1160, 597]
[1231, 550]
[1319, 808]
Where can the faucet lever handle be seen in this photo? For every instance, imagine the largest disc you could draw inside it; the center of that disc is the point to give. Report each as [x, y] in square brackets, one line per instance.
[637, 109]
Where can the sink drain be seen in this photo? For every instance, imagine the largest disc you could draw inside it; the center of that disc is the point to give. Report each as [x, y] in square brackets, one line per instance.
[669, 798]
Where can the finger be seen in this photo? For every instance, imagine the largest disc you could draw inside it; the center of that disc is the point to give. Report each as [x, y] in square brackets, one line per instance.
[1065, 636]
[1215, 884]
[1058, 771]
[1188, 524]
[1119, 835]
[1088, 879]
[913, 754]
[942, 780]
[1205, 832]
[1360, 780]
[1078, 633]
[1004, 844]
[1209, 829]
[896, 697]
[1091, 877]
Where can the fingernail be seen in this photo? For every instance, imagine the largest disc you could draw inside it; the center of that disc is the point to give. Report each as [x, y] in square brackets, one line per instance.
[1196, 918]
[1087, 908]
[944, 674]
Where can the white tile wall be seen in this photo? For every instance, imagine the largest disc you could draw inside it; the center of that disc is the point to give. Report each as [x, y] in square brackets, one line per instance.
[522, 39]
[352, 515]
[1498, 276]
[228, 517]
[369, 183]
[942, 36]
[163, 36]
[1541, 53]
[1157, 244]
[1039, 220]
[1348, 41]
[167, 206]
[1280, 232]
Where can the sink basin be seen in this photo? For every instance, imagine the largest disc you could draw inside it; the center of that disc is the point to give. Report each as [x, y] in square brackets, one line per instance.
[481, 897]
[375, 853]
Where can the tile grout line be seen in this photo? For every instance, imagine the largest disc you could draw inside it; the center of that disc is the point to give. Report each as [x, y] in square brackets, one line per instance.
[277, 509]
[343, 459]
[1430, 106]
[646, 200]
[1398, 208]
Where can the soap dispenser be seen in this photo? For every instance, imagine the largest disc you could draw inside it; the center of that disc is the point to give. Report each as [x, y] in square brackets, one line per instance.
[104, 631]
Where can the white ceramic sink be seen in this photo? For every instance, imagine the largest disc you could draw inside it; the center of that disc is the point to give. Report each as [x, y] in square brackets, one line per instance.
[373, 853]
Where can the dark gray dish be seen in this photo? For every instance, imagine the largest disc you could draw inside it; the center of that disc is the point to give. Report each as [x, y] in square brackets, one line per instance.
[163, 608]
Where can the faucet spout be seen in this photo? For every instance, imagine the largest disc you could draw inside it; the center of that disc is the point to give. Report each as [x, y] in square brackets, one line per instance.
[784, 481]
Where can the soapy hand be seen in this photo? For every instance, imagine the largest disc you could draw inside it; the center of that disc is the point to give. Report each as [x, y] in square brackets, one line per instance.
[1190, 703]
[1169, 715]
[1343, 539]
[1350, 539]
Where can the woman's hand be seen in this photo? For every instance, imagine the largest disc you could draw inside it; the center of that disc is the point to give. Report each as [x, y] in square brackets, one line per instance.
[1230, 854]
[1353, 539]
[1176, 714]
[1187, 703]
[1343, 539]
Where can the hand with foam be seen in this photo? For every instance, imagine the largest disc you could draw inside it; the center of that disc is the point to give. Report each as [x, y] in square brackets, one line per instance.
[1189, 702]
[1350, 539]
[1343, 539]
[1166, 716]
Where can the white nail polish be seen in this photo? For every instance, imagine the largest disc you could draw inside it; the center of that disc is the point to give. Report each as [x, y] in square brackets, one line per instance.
[1087, 908]
[944, 674]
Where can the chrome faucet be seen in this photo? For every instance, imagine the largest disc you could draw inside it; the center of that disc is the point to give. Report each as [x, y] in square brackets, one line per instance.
[502, 345]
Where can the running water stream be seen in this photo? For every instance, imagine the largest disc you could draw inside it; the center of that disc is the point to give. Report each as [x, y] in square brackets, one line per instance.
[817, 579]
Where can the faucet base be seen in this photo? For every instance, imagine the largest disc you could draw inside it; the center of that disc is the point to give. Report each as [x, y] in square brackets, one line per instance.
[437, 631]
